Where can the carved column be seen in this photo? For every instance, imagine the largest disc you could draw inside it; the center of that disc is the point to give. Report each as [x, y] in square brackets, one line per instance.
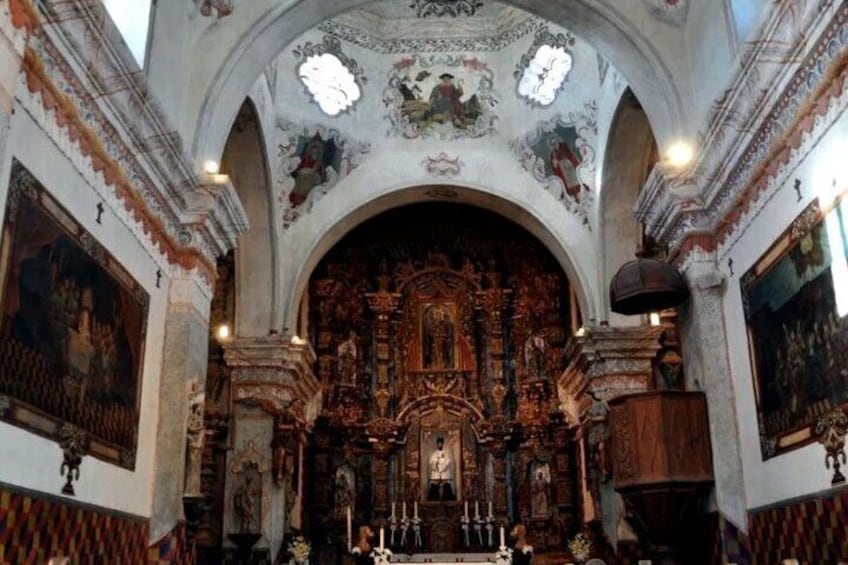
[606, 363]
[497, 433]
[492, 303]
[383, 435]
[276, 399]
[383, 303]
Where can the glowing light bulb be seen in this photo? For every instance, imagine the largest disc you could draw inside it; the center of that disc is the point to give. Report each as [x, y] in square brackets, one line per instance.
[223, 332]
[655, 319]
[680, 154]
[211, 167]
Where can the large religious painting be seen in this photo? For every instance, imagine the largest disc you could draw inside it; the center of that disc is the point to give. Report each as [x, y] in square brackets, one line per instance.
[446, 96]
[73, 327]
[560, 155]
[796, 300]
[440, 458]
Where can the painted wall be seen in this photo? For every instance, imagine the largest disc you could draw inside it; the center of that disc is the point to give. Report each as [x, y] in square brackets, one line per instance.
[823, 174]
[37, 460]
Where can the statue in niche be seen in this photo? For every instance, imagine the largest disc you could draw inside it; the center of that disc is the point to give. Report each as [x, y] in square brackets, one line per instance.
[344, 491]
[195, 436]
[535, 347]
[441, 473]
[244, 504]
[541, 491]
[347, 355]
[438, 334]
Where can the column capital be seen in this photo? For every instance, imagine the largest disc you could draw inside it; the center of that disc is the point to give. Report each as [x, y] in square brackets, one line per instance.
[275, 373]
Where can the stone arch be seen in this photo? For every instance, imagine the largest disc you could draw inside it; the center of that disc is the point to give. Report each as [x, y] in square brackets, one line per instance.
[630, 154]
[245, 160]
[529, 215]
[610, 31]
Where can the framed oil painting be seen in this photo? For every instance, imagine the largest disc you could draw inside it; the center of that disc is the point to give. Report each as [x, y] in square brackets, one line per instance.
[73, 328]
[796, 301]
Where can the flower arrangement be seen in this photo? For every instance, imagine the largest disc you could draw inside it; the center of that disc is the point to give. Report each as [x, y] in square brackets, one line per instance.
[503, 556]
[580, 547]
[382, 555]
[299, 549]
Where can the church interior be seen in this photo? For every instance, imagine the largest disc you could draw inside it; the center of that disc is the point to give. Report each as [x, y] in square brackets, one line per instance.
[424, 281]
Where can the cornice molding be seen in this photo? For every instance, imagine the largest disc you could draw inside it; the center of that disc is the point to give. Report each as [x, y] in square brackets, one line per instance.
[77, 63]
[779, 103]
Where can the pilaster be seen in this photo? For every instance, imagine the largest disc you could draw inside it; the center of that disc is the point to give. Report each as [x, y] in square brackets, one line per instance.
[181, 389]
[276, 398]
[707, 368]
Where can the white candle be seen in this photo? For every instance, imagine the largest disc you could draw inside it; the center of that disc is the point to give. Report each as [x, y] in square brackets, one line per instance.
[349, 528]
[382, 538]
[393, 509]
[466, 509]
[490, 509]
[404, 510]
[415, 509]
[503, 541]
[476, 508]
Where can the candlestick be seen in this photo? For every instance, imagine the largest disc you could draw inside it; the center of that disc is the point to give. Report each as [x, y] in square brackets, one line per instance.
[415, 509]
[503, 539]
[476, 508]
[404, 510]
[393, 509]
[490, 509]
[383, 538]
[349, 528]
[466, 509]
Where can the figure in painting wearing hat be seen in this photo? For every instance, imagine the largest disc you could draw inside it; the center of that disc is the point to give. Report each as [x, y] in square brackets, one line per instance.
[445, 104]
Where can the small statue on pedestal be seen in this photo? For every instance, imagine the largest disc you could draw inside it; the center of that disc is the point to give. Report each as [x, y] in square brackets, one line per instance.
[363, 553]
[523, 552]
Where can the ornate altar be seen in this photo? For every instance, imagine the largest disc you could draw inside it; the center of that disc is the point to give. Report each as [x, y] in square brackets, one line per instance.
[438, 371]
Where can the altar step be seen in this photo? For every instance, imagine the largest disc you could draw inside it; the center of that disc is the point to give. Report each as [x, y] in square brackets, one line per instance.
[442, 558]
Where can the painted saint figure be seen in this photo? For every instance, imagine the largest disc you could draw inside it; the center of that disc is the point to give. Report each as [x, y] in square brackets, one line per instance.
[564, 164]
[441, 474]
[445, 104]
[311, 171]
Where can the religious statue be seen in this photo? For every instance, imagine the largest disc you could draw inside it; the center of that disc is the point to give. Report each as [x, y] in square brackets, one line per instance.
[541, 493]
[441, 474]
[363, 552]
[347, 354]
[534, 355]
[244, 503]
[522, 553]
[195, 435]
[344, 491]
[438, 338]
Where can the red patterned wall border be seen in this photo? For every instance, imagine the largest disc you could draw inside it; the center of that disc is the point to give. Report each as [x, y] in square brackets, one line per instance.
[67, 116]
[34, 528]
[813, 531]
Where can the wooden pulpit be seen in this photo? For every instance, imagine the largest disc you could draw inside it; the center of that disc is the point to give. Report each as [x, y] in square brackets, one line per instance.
[662, 460]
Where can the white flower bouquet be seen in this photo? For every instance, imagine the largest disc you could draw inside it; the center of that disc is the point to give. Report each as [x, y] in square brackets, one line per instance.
[299, 549]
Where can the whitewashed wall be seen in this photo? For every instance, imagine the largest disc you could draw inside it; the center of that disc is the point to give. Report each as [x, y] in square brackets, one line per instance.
[31, 461]
[802, 471]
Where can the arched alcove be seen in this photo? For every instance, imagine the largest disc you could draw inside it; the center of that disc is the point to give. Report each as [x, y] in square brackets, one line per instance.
[631, 153]
[245, 161]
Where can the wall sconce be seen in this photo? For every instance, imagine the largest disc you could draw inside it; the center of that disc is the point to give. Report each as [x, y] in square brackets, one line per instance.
[211, 167]
[654, 319]
[223, 332]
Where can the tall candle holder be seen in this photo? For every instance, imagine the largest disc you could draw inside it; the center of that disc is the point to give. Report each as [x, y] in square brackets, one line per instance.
[404, 528]
[393, 526]
[465, 522]
[416, 529]
[490, 529]
[478, 528]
